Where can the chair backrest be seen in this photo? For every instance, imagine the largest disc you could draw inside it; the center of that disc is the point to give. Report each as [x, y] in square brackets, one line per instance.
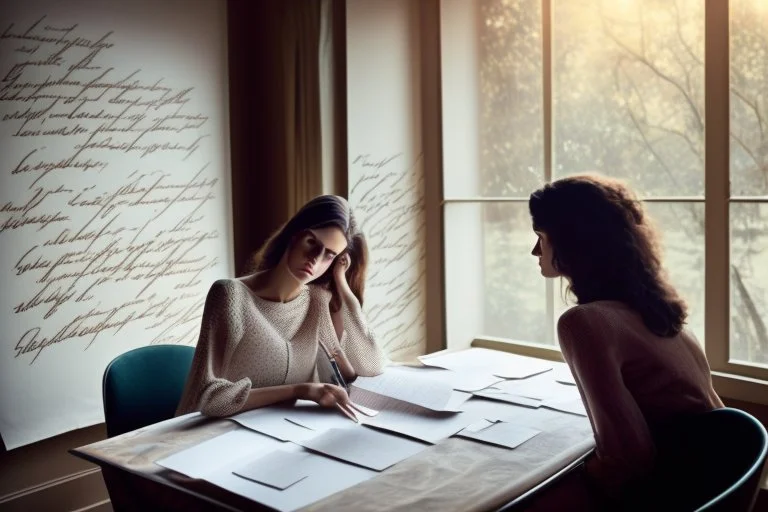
[711, 462]
[144, 386]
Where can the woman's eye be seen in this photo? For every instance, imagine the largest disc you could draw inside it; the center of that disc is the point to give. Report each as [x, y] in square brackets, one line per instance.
[329, 256]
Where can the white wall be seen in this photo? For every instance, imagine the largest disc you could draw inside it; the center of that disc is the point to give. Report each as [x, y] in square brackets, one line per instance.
[386, 176]
[114, 194]
[464, 259]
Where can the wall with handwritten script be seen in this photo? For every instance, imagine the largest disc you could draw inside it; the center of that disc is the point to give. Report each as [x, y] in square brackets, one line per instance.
[114, 194]
[386, 176]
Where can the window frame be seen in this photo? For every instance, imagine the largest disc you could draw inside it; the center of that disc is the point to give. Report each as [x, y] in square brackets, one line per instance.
[732, 379]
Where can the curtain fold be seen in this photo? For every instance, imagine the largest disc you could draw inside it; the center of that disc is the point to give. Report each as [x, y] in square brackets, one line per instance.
[303, 133]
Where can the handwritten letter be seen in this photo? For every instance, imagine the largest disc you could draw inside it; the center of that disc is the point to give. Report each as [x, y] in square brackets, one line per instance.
[113, 218]
[387, 193]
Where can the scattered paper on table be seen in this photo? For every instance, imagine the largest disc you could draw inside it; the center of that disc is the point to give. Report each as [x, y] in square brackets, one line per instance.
[503, 434]
[509, 398]
[271, 421]
[279, 469]
[220, 453]
[492, 362]
[317, 418]
[403, 383]
[364, 447]
[570, 406]
[478, 426]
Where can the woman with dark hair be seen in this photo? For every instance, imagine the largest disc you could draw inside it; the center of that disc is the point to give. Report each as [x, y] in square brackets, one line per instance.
[635, 365]
[293, 326]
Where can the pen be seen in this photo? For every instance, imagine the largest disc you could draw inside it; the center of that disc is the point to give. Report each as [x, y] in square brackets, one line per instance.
[337, 376]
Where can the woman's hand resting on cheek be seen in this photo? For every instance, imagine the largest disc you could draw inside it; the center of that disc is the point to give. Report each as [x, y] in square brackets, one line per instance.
[340, 267]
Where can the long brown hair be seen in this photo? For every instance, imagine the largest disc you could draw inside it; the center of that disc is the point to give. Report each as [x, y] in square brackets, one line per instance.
[605, 245]
[321, 212]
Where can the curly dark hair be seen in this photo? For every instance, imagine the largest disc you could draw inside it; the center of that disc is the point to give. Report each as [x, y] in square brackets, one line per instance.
[606, 246]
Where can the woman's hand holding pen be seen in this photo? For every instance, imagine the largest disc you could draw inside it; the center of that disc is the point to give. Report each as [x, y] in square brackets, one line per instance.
[327, 395]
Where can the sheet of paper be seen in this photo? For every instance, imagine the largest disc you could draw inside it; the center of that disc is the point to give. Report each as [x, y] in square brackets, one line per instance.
[506, 397]
[365, 411]
[279, 469]
[469, 380]
[364, 447]
[493, 362]
[540, 387]
[214, 460]
[479, 425]
[563, 375]
[271, 421]
[431, 428]
[403, 383]
[502, 433]
[317, 418]
[570, 406]
[221, 453]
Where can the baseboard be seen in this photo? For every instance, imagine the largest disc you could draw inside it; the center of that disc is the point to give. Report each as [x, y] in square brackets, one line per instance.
[102, 506]
[74, 492]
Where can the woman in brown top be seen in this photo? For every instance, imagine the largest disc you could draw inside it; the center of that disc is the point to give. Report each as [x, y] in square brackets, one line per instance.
[635, 365]
[274, 335]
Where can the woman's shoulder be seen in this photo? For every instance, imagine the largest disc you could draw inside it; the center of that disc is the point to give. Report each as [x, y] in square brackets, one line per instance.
[320, 293]
[591, 321]
[225, 291]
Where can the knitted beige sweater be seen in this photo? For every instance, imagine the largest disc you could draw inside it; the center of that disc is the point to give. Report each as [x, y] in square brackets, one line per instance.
[248, 342]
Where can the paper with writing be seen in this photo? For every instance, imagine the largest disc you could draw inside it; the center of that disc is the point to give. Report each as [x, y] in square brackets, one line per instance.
[364, 446]
[386, 180]
[114, 195]
[279, 469]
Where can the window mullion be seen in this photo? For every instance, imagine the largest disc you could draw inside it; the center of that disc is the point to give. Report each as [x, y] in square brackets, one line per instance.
[717, 183]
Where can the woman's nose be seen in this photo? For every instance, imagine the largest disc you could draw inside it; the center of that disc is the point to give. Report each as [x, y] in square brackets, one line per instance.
[536, 249]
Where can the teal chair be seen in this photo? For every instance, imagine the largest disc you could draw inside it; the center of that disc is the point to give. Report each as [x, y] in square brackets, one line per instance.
[709, 462]
[143, 386]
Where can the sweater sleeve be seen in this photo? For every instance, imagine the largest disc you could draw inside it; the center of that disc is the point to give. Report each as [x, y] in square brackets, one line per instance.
[624, 446]
[207, 389]
[358, 341]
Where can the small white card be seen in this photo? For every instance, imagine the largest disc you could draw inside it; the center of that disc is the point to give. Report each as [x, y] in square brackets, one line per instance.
[276, 469]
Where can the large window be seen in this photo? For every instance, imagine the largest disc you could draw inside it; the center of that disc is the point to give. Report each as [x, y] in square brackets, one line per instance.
[534, 90]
